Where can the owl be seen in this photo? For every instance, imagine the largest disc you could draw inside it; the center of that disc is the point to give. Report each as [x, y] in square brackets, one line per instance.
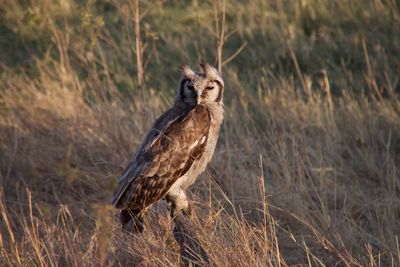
[175, 151]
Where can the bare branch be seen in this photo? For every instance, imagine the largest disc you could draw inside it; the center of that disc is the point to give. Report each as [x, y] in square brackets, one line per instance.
[146, 62]
[219, 30]
[216, 18]
[145, 46]
[229, 34]
[221, 38]
[235, 54]
[138, 44]
[144, 13]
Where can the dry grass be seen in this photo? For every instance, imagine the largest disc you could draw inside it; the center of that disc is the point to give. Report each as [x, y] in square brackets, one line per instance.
[300, 176]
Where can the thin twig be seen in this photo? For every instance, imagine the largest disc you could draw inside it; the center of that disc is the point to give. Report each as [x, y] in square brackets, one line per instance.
[138, 45]
[235, 54]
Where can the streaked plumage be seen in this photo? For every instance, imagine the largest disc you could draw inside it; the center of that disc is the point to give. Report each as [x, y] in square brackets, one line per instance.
[176, 150]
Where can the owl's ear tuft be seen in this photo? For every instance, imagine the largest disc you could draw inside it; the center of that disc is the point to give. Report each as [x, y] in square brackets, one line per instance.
[208, 70]
[186, 71]
[202, 64]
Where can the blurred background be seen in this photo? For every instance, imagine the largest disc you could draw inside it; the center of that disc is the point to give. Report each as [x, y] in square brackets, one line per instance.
[306, 170]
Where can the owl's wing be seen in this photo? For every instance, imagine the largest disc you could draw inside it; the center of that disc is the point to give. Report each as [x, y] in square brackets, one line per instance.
[163, 159]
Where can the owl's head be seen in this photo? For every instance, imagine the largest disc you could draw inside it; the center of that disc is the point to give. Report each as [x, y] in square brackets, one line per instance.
[204, 87]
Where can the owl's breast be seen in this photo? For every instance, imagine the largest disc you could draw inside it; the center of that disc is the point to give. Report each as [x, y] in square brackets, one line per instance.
[199, 165]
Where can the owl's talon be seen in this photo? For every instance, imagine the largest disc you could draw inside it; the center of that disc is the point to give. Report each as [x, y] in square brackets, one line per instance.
[132, 221]
[188, 210]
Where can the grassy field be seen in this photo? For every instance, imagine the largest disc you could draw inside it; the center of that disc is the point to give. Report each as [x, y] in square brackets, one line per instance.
[307, 168]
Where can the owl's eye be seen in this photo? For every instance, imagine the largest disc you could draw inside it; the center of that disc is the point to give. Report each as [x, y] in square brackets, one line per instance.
[210, 87]
[191, 87]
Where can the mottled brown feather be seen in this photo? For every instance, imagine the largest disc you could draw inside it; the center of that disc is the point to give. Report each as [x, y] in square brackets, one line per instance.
[167, 154]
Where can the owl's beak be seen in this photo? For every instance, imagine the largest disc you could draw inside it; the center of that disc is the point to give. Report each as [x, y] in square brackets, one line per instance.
[199, 97]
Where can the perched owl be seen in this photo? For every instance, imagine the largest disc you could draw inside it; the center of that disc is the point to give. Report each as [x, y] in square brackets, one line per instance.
[176, 150]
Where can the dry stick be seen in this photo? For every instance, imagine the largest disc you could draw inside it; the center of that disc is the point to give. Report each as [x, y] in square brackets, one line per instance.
[221, 38]
[139, 53]
[216, 21]
[138, 45]
[220, 33]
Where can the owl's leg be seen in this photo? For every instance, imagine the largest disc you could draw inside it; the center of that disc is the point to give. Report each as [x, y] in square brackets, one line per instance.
[191, 251]
[132, 220]
[177, 202]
